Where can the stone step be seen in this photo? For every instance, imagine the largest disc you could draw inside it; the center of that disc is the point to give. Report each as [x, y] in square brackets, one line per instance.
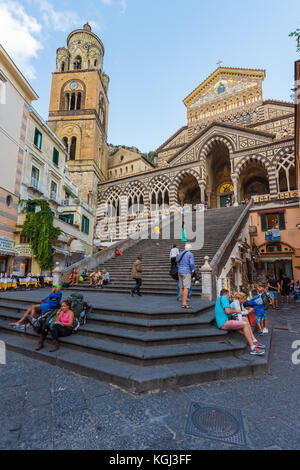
[144, 291]
[147, 355]
[136, 378]
[142, 336]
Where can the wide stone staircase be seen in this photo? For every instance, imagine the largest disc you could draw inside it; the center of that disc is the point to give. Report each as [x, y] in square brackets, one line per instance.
[148, 343]
[156, 260]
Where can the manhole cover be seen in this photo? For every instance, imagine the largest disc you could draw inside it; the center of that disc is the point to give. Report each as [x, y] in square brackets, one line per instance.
[216, 423]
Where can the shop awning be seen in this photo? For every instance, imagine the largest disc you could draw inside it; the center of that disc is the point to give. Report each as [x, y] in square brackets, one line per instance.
[272, 260]
[271, 211]
[70, 192]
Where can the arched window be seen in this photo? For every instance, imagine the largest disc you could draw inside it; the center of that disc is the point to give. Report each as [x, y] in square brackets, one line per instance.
[67, 101]
[102, 110]
[66, 144]
[73, 148]
[62, 67]
[73, 101]
[113, 202]
[159, 193]
[77, 63]
[95, 63]
[78, 102]
[135, 198]
[286, 173]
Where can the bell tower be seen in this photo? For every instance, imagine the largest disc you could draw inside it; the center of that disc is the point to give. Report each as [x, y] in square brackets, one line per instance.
[78, 110]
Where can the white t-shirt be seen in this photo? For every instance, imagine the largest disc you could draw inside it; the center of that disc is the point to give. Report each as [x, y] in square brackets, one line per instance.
[174, 253]
[235, 305]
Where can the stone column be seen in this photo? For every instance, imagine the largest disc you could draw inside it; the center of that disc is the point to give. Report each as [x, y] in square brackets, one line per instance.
[235, 188]
[202, 192]
[57, 276]
[206, 273]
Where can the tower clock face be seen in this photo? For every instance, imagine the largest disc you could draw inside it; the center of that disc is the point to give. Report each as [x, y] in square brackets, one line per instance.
[73, 85]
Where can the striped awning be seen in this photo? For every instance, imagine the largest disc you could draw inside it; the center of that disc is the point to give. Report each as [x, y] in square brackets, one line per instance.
[70, 192]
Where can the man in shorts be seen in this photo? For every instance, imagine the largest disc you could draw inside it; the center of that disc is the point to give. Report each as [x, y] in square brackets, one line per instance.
[52, 301]
[186, 265]
[274, 288]
[223, 312]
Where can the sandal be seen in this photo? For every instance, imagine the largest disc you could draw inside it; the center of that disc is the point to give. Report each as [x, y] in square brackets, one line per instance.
[188, 307]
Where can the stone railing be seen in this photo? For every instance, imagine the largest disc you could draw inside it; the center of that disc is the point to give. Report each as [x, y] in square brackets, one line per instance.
[211, 271]
[93, 261]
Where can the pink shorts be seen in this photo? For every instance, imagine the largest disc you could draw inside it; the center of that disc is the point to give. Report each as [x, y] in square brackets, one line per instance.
[233, 325]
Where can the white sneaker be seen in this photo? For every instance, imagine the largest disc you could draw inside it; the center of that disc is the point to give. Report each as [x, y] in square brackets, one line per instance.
[265, 330]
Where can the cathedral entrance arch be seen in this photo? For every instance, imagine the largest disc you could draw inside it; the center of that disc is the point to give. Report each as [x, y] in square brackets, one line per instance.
[188, 190]
[253, 180]
[219, 185]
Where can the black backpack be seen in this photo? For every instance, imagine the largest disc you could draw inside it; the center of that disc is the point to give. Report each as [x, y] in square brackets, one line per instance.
[174, 269]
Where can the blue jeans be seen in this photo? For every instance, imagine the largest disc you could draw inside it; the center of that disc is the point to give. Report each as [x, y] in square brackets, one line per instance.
[178, 291]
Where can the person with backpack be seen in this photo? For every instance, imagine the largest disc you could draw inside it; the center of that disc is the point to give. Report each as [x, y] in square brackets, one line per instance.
[61, 327]
[186, 265]
[257, 302]
[173, 255]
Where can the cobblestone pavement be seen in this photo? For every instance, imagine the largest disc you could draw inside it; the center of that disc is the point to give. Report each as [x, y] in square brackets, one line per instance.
[45, 407]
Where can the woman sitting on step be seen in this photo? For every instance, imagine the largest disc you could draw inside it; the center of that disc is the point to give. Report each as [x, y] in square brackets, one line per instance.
[61, 327]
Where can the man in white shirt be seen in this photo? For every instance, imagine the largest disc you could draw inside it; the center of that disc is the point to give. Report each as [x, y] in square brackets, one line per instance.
[173, 255]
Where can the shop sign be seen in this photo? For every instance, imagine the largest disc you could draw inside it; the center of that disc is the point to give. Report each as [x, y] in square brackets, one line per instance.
[23, 250]
[6, 243]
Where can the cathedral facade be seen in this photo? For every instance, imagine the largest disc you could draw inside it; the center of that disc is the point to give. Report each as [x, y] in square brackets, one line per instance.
[233, 147]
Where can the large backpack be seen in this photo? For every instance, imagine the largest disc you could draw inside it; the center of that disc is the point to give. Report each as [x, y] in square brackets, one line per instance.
[76, 301]
[174, 269]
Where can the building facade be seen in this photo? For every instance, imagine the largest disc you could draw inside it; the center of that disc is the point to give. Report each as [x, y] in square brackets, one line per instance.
[45, 176]
[16, 95]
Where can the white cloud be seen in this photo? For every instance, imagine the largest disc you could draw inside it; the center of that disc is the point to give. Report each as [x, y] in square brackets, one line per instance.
[19, 35]
[123, 4]
[59, 20]
[107, 2]
[64, 21]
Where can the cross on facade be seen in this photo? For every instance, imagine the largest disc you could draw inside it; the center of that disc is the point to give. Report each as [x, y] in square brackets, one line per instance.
[219, 62]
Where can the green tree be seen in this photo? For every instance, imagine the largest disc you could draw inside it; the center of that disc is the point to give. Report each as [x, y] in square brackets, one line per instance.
[296, 34]
[38, 228]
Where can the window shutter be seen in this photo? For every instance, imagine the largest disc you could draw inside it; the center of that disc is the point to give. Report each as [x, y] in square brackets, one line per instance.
[264, 225]
[281, 221]
[55, 156]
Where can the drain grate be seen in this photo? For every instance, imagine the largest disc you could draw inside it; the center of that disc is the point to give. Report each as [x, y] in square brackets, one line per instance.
[216, 423]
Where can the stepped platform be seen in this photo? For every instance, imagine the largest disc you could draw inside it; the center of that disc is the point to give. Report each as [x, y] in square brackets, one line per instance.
[156, 259]
[139, 344]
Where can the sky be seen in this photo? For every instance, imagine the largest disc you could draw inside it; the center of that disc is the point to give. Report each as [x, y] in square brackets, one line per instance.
[156, 52]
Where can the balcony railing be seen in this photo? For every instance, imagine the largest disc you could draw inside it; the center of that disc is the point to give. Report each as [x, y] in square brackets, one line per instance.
[53, 196]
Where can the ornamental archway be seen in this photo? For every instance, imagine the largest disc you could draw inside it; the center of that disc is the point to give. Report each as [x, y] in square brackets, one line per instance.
[219, 185]
[188, 191]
